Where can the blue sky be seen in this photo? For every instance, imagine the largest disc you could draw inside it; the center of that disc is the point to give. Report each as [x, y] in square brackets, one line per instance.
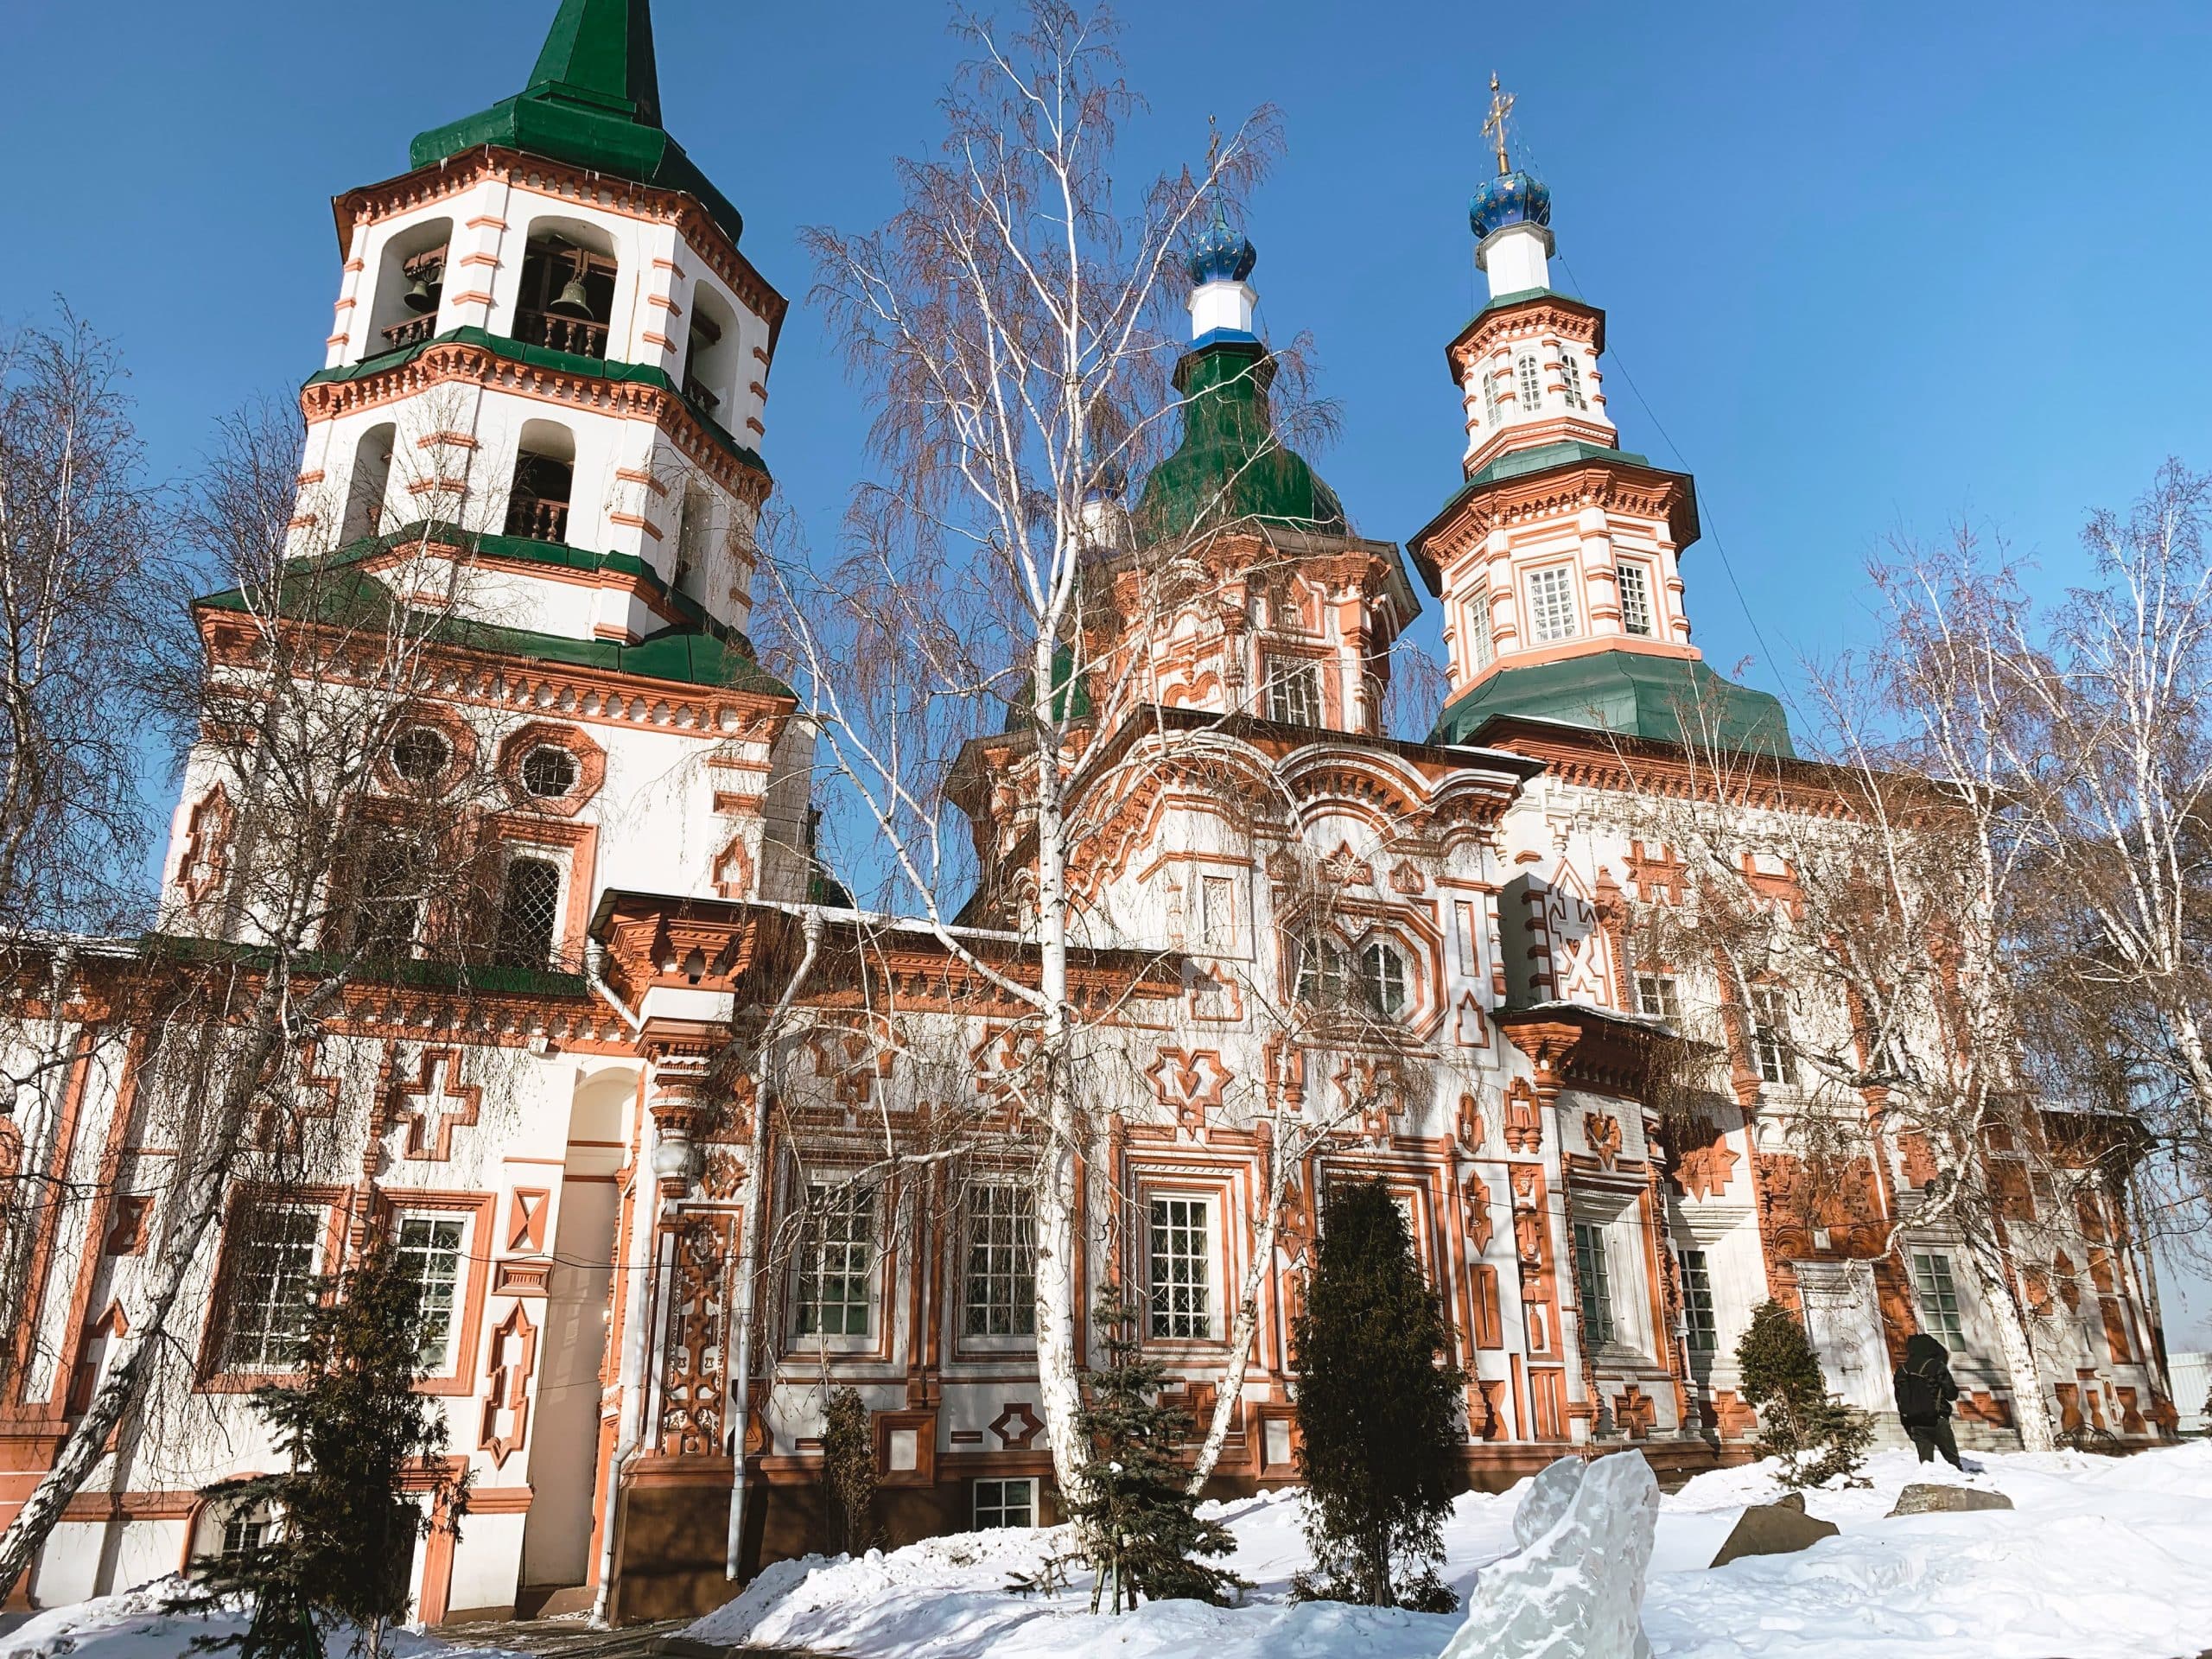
[1870, 268]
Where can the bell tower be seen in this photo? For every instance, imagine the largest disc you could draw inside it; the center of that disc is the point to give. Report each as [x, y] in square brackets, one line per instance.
[548, 342]
[1559, 558]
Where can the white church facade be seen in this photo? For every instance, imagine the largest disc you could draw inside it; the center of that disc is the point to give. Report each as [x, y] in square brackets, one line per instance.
[546, 332]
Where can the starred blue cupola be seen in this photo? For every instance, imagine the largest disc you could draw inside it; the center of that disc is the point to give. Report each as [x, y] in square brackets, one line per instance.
[1221, 298]
[1510, 216]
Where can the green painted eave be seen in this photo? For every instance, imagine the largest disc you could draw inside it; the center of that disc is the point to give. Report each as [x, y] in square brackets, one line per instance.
[544, 357]
[1544, 458]
[593, 101]
[1231, 467]
[1635, 694]
[339, 593]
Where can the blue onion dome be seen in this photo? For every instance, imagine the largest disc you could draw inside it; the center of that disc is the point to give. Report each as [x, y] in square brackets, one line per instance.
[1221, 255]
[1511, 199]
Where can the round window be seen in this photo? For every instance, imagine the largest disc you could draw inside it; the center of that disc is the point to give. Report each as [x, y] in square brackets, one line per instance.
[548, 772]
[420, 753]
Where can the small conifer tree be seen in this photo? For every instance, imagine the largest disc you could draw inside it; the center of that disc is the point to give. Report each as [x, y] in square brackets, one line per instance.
[849, 1470]
[1378, 1412]
[1138, 1527]
[1815, 1437]
[361, 1444]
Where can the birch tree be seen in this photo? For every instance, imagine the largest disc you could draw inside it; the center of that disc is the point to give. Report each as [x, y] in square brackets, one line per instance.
[1008, 323]
[330, 838]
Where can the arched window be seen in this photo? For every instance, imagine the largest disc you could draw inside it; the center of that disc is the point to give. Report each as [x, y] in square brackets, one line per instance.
[693, 534]
[568, 294]
[402, 305]
[367, 485]
[545, 472]
[1532, 382]
[1571, 372]
[710, 355]
[1383, 979]
[1490, 397]
[530, 908]
[1482, 642]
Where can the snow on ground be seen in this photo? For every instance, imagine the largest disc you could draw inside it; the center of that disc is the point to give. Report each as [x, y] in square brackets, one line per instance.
[2101, 1558]
[133, 1627]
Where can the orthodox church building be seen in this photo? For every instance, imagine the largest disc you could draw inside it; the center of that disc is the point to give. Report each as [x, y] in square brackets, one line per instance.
[547, 329]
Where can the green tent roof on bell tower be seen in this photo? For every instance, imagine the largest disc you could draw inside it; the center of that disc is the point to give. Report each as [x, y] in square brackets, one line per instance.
[592, 100]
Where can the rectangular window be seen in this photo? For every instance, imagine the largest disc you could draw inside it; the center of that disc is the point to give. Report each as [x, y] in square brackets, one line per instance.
[1570, 372]
[1770, 1035]
[1217, 912]
[1006, 1503]
[244, 1532]
[1490, 397]
[837, 1252]
[1697, 1303]
[1594, 1283]
[1481, 642]
[1294, 694]
[1532, 382]
[1655, 996]
[271, 1288]
[1182, 1268]
[388, 913]
[1636, 600]
[428, 1251]
[1551, 603]
[1939, 1298]
[1001, 1262]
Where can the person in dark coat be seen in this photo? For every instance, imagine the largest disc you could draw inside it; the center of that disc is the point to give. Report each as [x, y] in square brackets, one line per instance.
[1924, 1393]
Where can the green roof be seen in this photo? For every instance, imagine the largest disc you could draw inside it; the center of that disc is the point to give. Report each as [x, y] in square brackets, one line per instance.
[544, 357]
[1636, 694]
[1230, 466]
[592, 99]
[338, 591]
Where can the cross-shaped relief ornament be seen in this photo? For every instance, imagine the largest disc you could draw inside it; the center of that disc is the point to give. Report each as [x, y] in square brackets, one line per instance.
[434, 1104]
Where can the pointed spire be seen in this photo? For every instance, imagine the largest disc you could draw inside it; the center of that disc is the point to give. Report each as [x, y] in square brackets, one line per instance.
[592, 100]
[601, 52]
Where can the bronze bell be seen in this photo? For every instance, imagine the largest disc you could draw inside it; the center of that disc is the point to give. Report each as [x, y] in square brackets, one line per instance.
[574, 301]
[420, 296]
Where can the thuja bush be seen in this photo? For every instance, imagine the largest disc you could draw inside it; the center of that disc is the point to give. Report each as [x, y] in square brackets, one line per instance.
[1817, 1438]
[1379, 1411]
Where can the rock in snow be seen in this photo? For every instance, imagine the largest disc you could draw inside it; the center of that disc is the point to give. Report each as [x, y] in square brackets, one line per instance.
[1929, 1498]
[1775, 1530]
[1575, 1588]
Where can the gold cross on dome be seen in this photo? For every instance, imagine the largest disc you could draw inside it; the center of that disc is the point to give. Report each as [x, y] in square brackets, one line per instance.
[1501, 106]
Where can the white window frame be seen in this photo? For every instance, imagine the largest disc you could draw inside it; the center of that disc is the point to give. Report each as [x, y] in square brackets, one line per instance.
[1552, 611]
[1481, 636]
[1006, 1259]
[1570, 373]
[270, 1342]
[1593, 1285]
[1491, 401]
[1180, 1232]
[993, 1500]
[445, 1361]
[823, 1260]
[1384, 978]
[1697, 1297]
[1771, 1055]
[1658, 996]
[1936, 1298]
[1638, 617]
[1321, 972]
[1294, 691]
[1529, 381]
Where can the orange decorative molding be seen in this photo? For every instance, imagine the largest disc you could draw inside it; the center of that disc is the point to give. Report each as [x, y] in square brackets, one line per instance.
[503, 1424]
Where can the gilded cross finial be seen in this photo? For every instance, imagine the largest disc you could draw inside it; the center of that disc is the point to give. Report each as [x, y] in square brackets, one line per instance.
[1501, 106]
